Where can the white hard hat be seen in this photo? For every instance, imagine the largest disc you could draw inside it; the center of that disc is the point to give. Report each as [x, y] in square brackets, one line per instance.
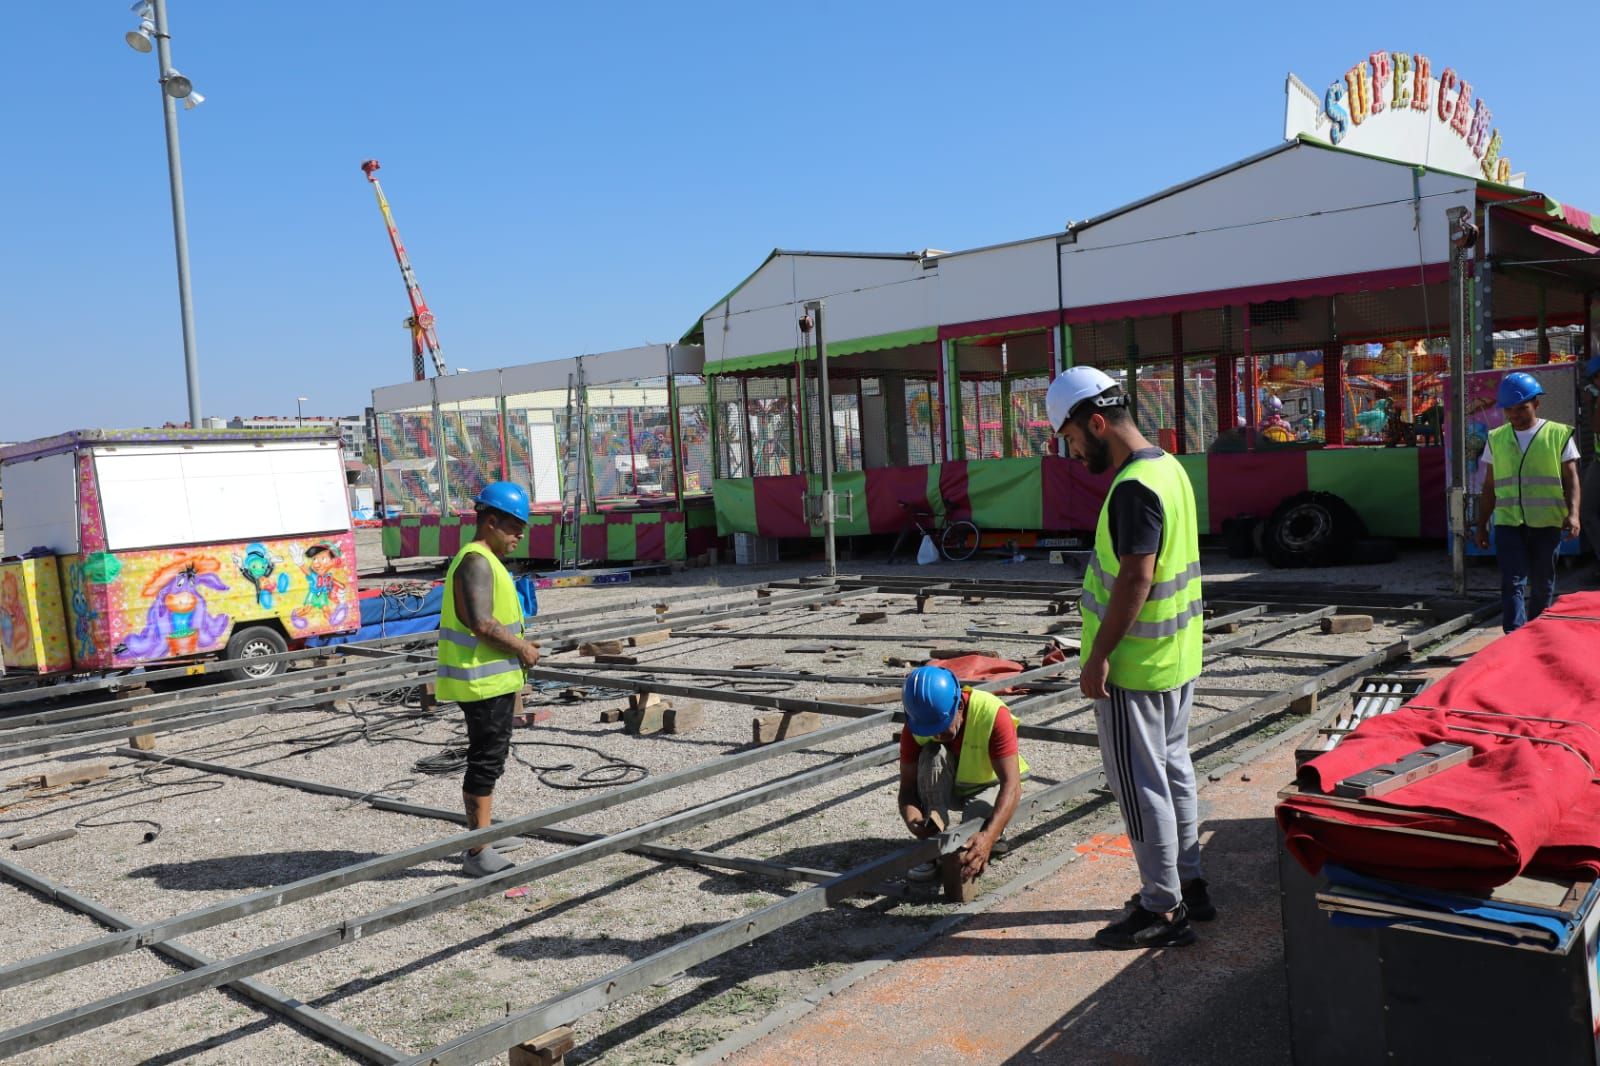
[1072, 387]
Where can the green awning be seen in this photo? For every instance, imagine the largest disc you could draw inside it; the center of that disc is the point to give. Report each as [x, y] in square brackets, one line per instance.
[904, 338]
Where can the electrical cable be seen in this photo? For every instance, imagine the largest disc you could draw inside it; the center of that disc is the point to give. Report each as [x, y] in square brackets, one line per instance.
[204, 781]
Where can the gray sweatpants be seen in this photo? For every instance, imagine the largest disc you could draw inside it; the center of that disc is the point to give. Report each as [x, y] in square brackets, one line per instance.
[1144, 744]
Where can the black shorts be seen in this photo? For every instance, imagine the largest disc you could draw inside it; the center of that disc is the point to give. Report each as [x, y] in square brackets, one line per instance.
[488, 741]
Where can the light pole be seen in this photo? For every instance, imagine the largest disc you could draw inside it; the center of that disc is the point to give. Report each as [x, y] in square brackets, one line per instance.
[299, 419]
[174, 87]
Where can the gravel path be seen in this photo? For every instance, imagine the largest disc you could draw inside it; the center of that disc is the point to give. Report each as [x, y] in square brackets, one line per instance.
[428, 980]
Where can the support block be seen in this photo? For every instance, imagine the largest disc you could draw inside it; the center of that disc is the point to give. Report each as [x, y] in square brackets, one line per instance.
[763, 594]
[924, 604]
[643, 721]
[684, 718]
[813, 606]
[1347, 623]
[617, 660]
[958, 652]
[144, 741]
[956, 888]
[429, 700]
[1304, 705]
[781, 725]
[596, 648]
[530, 718]
[611, 716]
[78, 776]
[1226, 627]
[658, 636]
[546, 1049]
[638, 701]
[869, 617]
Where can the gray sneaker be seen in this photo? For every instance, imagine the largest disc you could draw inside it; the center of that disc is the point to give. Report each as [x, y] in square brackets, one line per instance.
[486, 862]
[509, 844]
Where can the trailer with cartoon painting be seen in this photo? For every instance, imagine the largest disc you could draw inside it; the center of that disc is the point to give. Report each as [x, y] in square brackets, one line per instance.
[129, 548]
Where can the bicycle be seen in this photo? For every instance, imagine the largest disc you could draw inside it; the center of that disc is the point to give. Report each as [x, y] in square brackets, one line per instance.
[957, 541]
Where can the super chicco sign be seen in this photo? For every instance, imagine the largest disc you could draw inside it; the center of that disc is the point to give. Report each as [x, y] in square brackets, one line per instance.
[1392, 104]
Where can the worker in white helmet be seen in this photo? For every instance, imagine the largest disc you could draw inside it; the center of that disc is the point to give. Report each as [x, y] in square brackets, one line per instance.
[1142, 625]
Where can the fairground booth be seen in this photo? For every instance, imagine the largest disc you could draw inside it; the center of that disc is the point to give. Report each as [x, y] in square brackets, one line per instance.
[618, 442]
[1282, 325]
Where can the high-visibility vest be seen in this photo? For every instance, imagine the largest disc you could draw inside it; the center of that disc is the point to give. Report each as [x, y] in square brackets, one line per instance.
[1161, 650]
[470, 669]
[1527, 484]
[974, 771]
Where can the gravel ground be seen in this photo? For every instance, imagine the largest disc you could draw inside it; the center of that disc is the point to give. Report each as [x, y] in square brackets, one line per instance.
[431, 979]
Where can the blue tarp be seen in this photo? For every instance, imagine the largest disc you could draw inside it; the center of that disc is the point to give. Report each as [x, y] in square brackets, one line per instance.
[396, 616]
[1560, 926]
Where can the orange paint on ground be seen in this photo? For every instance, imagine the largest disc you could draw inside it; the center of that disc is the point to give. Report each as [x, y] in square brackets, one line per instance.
[1106, 844]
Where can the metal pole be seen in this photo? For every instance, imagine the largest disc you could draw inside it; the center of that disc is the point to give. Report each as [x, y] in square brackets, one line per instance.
[825, 412]
[1460, 308]
[180, 225]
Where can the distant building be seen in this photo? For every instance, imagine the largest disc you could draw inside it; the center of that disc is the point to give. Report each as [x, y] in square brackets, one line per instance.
[354, 430]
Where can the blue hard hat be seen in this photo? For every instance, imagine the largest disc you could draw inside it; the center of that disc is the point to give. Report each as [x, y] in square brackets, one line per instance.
[1592, 367]
[506, 497]
[1518, 387]
[930, 697]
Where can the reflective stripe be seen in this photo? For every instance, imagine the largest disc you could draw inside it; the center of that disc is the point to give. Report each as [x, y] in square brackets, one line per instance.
[1533, 481]
[1150, 630]
[476, 673]
[454, 636]
[1160, 590]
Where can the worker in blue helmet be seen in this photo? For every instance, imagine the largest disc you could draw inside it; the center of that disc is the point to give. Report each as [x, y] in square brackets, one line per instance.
[1530, 491]
[1590, 483]
[482, 655]
[957, 744]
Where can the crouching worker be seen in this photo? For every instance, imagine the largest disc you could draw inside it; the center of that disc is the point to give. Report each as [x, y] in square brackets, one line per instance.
[482, 655]
[958, 743]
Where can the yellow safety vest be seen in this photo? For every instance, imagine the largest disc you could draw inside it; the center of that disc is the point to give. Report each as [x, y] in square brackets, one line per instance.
[470, 669]
[1161, 650]
[1527, 485]
[974, 771]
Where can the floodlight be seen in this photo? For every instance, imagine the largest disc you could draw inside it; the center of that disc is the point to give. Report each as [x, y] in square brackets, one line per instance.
[139, 39]
[176, 85]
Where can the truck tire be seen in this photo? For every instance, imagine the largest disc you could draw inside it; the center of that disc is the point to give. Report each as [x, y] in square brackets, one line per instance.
[1312, 529]
[253, 642]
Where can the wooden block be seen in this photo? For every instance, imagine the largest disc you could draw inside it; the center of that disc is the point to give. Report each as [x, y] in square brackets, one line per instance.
[529, 719]
[611, 715]
[684, 717]
[780, 725]
[753, 664]
[762, 594]
[809, 649]
[597, 648]
[956, 653]
[546, 1049]
[956, 888]
[144, 741]
[75, 777]
[429, 700]
[617, 660]
[1304, 705]
[1226, 627]
[646, 720]
[871, 698]
[640, 700]
[813, 606]
[924, 604]
[1347, 623]
[869, 617]
[658, 636]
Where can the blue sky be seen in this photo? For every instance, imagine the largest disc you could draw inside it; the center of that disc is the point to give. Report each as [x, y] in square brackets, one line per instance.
[593, 176]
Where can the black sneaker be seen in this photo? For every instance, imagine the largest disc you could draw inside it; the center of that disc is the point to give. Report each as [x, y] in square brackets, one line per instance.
[1140, 928]
[1197, 900]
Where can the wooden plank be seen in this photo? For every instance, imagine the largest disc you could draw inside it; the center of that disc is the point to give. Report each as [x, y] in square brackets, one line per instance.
[780, 725]
[546, 1049]
[75, 777]
[596, 648]
[1347, 623]
[659, 636]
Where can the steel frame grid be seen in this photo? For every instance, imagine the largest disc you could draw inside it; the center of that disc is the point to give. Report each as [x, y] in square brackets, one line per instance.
[729, 935]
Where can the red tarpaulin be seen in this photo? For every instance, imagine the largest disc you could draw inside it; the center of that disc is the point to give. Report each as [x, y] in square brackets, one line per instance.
[1528, 801]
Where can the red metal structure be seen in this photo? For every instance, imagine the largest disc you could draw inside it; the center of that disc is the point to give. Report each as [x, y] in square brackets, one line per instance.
[420, 323]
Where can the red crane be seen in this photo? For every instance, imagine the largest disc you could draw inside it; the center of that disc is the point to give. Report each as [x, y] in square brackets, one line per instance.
[420, 323]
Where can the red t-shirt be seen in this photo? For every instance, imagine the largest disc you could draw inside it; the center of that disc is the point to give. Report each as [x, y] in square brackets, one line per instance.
[1002, 739]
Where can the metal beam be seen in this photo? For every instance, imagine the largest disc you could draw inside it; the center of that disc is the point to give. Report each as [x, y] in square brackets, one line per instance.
[111, 1008]
[559, 836]
[267, 899]
[490, 1040]
[323, 1024]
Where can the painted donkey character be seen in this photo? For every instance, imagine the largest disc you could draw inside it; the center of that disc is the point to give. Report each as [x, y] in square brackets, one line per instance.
[178, 622]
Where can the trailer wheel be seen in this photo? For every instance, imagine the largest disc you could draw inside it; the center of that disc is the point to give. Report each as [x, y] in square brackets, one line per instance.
[1312, 529]
[254, 642]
